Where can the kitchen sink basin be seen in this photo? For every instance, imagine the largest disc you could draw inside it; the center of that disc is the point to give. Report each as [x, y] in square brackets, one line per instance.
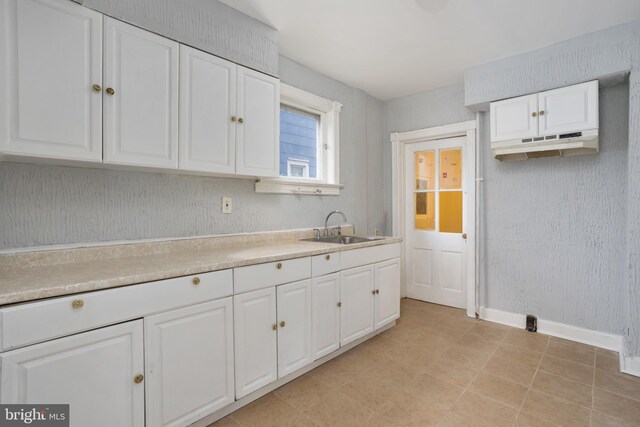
[343, 239]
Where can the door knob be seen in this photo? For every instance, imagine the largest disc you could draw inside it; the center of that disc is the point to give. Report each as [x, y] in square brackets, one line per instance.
[464, 236]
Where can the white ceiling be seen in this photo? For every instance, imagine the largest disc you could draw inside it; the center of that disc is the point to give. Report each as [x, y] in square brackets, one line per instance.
[392, 48]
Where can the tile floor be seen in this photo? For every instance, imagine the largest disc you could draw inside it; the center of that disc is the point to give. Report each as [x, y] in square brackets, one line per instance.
[437, 367]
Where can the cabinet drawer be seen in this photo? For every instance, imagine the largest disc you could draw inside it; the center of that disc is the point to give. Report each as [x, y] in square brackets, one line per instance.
[325, 264]
[370, 255]
[261, 276]
[30, 323]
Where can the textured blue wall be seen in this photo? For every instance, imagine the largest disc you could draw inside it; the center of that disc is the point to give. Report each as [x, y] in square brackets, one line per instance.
[298, 137]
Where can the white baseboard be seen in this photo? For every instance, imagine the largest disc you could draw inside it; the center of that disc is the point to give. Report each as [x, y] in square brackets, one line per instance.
[631, 365]
[628, 364]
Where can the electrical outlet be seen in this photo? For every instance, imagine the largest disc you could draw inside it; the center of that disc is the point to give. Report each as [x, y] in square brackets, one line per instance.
[376, 232]
[227, 206]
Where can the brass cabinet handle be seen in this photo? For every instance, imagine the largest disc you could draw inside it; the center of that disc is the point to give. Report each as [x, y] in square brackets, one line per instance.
[282, 324]
[541, 112]
[339, 304]
[138, 378]
[279, 266]
[274, 327]
[77, 303]
[534, 114]
[328, 257]
[97, 88]
[240, 120]
[110, 91]
[234, 118]
[196, 281]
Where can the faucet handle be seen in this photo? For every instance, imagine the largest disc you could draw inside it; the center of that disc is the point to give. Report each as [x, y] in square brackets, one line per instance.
[339, 230]
[317, 231]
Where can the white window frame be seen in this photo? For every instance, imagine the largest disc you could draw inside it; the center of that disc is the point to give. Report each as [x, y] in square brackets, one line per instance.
[327, 182]
[298, 162]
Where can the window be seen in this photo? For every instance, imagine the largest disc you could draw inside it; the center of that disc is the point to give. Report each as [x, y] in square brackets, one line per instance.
[309, 136]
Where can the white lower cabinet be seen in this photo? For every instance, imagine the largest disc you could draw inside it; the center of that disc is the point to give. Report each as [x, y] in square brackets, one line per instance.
[189, 362]
[356, 295]
[255, 335]
[294, 327]
[387, 287]
[98, 373]
[326, 314]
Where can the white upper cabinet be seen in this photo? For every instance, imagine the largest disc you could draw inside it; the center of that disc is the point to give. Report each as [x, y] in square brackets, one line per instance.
[89, 371]
[568, 109]
[294, 327]
[141, 97]
[514, 118]
[50, 60]
[559, 111]
[189, 362]
[258, 131]
[207, 112]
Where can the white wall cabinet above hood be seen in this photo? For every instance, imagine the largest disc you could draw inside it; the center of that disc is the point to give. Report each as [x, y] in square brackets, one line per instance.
[559, 122]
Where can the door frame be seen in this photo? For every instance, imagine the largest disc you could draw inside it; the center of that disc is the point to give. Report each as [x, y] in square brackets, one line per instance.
[399, 143]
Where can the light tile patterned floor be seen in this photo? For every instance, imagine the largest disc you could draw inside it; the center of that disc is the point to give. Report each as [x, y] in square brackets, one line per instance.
[438, 367]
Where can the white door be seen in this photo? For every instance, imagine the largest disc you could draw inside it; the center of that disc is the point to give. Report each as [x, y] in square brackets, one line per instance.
[436, 194]
[94, 372]
[258, 130]
[140, 97]
[387, 287]
[326, 314]
[294, 326]
[255, 335]
[357, 297]
[514, 118]
[50, 60]
[568, 109]
[207, 112]
[189, 362]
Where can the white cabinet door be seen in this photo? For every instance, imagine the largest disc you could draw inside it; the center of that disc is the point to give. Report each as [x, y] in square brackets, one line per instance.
[207, 112]
[50, 58]
[569, 109]
[326, 314]
[255, 335]
[514, 118]
[294, 326]
[387, 287]
[189, 362]
[93, 372]
[356, 295]
[258, 130]
[141, 115]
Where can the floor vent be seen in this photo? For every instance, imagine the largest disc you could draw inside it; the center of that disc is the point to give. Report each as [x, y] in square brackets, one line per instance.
[532, 323]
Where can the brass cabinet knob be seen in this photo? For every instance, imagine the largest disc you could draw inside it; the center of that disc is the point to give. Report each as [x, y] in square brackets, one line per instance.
[377, 291]
[77, 303]
[110, 91]
[138, 378]
[196, 281]
[240, 120]
[234, 118]
[274, 327]
[328, 257]
[464, 236]
[97, 88]
[279, 266]
[339, 304]
[534, 114]
[282, 324]
[373, 292]
[541, 113]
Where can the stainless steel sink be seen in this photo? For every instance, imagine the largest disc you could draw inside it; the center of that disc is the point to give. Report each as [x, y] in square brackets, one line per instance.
[343, 239]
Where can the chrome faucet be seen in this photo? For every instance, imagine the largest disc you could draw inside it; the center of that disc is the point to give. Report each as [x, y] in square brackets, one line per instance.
[326, 228]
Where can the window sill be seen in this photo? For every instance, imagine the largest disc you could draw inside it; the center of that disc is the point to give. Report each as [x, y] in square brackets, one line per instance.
[285, 186]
